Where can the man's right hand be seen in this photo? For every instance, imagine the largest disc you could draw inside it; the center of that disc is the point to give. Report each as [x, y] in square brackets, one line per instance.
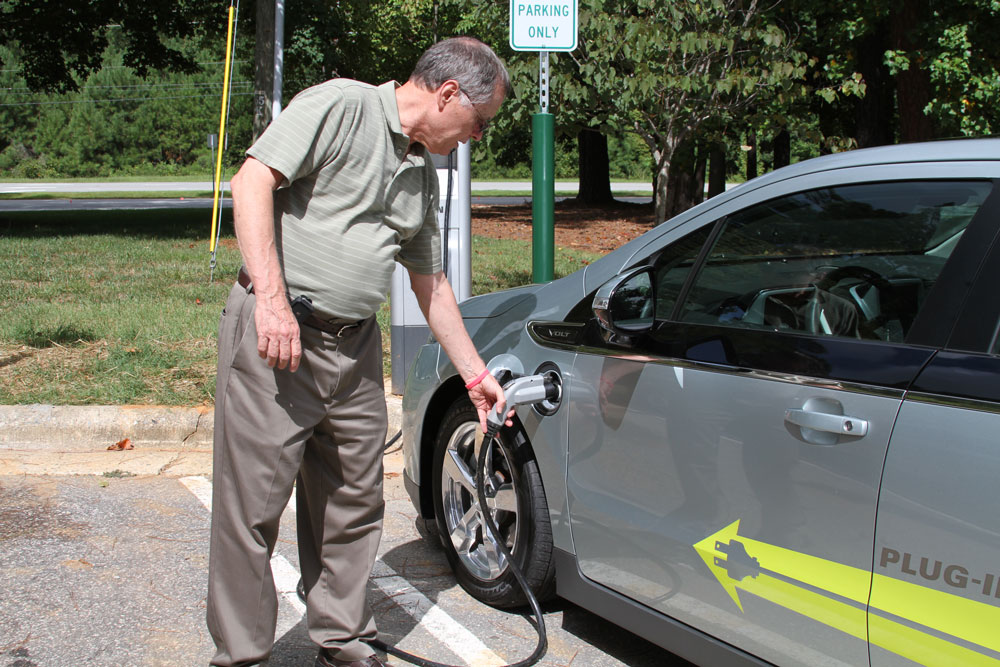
[278, 334]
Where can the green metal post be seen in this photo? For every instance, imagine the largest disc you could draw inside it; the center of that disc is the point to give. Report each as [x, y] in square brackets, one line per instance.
[543, 197]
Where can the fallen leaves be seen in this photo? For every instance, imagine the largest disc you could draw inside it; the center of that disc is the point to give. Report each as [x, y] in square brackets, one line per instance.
[121, 445]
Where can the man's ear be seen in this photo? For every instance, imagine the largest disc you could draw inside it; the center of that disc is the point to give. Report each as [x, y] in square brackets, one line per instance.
[446, 92]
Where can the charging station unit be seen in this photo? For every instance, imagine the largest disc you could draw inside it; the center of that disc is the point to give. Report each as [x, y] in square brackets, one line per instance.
[408, 328]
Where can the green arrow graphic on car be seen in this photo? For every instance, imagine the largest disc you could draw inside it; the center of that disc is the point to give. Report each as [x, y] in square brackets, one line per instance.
[920, 623]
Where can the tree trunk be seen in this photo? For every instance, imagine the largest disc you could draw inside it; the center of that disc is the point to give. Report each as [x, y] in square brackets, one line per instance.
[782, 149]
[662, 154]
[752, 155]
[698, 182]
[913, 85]
[685, 179]
[830, 125]
[263, 92]
[716, 170]
[660, 179]
[873, 112]
[595, 168]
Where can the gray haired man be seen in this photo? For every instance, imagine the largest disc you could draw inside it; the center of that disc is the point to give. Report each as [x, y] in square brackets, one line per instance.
[336, 190]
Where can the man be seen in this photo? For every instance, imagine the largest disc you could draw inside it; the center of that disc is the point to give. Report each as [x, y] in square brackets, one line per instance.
[336, 190]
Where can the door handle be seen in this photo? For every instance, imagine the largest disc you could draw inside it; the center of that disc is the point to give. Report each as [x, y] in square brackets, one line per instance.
[827, 423]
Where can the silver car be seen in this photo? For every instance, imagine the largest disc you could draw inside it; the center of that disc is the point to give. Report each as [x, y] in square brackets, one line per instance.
[777, 440]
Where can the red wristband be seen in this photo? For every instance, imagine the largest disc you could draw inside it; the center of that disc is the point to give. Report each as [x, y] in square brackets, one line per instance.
[479, 378]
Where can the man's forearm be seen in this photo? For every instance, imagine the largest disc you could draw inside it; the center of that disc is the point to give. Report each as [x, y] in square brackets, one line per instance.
[437, 301]
[253, 216]
[253, 219]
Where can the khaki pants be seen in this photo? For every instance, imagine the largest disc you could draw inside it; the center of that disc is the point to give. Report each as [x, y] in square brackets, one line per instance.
[325, 424]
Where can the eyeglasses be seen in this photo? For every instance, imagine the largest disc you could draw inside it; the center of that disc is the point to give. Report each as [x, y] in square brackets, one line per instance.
[482, 124]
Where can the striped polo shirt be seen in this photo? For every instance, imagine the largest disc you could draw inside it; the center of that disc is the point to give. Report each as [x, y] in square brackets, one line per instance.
[354, 200]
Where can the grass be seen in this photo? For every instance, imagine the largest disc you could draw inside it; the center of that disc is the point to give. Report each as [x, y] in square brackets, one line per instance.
[116, 307]
[111, 179]
[101, 307]
[125, 194]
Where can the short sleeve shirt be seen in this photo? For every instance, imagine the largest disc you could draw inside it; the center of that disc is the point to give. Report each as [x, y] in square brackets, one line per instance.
[356, 196]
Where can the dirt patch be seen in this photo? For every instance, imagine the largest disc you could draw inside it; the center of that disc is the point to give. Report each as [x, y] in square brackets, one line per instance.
[598, 229]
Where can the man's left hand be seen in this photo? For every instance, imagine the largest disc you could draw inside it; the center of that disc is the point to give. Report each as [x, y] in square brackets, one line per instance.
[485, 396]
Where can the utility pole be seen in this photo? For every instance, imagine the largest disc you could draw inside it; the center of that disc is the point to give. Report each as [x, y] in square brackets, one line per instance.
[267, 63]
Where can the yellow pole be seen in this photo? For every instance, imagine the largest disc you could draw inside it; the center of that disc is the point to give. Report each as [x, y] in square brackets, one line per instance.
[222, 131]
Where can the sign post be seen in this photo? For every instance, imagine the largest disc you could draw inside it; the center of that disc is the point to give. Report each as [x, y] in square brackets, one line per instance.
[543, 26]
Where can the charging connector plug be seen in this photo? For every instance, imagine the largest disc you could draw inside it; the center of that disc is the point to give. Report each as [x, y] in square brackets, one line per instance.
[525, 390]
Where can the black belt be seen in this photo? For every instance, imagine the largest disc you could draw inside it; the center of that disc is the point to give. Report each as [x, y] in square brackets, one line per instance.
[335, 327]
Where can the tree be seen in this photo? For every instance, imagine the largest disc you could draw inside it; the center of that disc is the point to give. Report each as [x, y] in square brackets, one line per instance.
[358, 39]
[668, 68]
[654, 68]
[117, 122]
[901, 70]
[594, 168]
[60, 42]
[947, 66]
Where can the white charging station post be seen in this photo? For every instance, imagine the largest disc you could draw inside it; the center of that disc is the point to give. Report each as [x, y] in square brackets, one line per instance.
[408, 329]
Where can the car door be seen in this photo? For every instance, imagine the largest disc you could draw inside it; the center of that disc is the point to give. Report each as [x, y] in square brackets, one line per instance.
[936, 585]
[724, 462]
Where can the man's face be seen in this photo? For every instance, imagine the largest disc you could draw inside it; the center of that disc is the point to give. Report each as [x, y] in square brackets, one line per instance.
[458, 120]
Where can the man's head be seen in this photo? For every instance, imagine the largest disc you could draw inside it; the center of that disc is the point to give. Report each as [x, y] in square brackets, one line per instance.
[462, 83]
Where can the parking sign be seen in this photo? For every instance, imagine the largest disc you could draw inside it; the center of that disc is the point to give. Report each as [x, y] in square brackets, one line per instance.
[543, 25]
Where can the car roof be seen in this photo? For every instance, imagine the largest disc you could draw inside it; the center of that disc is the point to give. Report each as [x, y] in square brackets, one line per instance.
[952, 150]
[933, 151]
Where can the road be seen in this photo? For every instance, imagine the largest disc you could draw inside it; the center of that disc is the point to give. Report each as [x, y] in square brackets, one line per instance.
[566, 187]
[206, 203]
[111, 570]
[61, 202]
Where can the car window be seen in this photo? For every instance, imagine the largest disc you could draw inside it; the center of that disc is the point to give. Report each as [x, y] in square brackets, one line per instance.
[673, 266]
[854, 261]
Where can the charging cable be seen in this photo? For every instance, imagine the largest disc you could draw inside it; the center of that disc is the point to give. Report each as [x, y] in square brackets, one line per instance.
[522, 390]
[542, 645]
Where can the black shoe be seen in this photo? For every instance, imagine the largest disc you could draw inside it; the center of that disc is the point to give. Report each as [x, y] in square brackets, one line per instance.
[324, 659]
[300, 590]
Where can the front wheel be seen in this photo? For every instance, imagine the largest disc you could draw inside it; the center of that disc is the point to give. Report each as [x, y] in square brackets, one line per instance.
[515, 500]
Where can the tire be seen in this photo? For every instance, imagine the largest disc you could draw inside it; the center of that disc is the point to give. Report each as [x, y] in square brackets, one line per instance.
[521, 514]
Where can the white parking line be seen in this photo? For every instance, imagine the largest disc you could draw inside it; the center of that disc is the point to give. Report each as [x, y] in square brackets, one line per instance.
[286, 581]
[201, 488]
[428, 615]
[286, 577]
[432, 619]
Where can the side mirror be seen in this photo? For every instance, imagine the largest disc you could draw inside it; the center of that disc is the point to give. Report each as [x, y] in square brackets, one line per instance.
[624, 306]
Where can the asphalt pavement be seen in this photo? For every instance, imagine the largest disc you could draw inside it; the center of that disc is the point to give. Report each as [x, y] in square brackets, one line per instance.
[104, 521]
[104, 557]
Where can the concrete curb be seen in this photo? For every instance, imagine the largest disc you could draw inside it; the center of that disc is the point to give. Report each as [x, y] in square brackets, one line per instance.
[75, 440]
[64, 428]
